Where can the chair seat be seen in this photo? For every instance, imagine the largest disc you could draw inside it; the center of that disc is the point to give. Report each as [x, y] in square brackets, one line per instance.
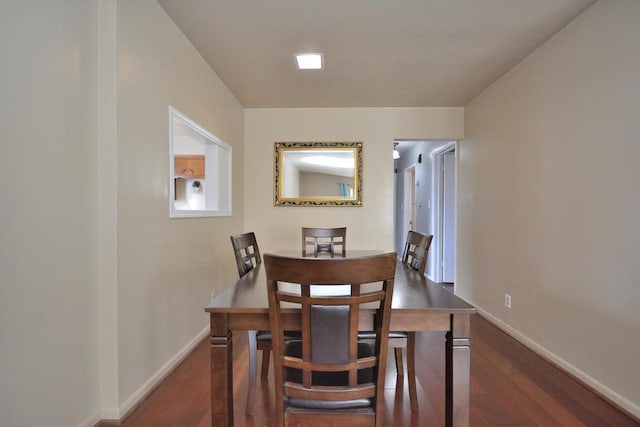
[325, 404]
[371, 335]
[288, 335]
[293, 410]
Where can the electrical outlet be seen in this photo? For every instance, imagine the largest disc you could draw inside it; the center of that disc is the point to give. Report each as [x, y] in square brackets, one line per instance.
[507, 301]
[213, 293]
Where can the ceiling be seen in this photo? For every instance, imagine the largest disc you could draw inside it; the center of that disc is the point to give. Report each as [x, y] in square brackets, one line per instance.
[401, 53]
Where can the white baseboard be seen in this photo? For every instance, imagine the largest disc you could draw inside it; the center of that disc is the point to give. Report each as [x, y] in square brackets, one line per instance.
[597, 386]
[148, 386]
[91, 421]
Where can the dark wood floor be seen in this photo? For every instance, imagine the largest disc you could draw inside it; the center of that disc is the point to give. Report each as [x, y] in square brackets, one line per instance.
[510, 386]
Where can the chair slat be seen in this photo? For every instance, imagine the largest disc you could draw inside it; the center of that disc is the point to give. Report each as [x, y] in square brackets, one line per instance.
[359, 363]
[333, 300]
[361, 391]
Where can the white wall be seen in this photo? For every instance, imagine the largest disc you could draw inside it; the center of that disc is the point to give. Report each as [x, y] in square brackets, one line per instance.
[370, 226]
[549, 203]
[48, 216]
[166, 268]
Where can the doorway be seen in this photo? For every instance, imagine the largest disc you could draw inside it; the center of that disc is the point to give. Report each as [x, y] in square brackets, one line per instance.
[424, 194]
[409, 200]
[448, 212]
[444, 200]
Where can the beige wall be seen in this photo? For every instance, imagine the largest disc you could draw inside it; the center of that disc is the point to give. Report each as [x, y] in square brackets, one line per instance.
[549, 202]
[166, 268]
[48, 215]
[370, 226]
[100, 292]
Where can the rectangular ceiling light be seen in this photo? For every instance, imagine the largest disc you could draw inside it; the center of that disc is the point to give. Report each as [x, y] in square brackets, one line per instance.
[309, 61]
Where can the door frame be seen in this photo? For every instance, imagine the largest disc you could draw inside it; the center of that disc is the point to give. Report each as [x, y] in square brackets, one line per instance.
[408, 211]
[437, 220]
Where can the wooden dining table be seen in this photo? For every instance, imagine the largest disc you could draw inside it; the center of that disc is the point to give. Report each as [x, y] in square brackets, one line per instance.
[418, 305]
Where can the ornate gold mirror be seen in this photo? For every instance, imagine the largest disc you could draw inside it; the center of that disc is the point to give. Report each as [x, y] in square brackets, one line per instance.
[317, 174]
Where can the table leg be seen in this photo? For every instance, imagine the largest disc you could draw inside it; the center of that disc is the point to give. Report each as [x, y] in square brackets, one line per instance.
[457, 371]
[221, 372]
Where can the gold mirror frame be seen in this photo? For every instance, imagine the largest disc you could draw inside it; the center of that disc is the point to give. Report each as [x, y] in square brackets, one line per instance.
[280, 148]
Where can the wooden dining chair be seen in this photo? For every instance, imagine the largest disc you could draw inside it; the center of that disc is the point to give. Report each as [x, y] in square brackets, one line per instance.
[416, 251]
[245, 248]
[329, 377]
[414, 256]
[324, 240]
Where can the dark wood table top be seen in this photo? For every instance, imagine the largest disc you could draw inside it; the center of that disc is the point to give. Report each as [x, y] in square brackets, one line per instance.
[412, 292]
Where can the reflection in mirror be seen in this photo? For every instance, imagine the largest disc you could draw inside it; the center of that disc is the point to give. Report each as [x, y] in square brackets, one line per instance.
[312, 174]
[318, 174]
[200, 170]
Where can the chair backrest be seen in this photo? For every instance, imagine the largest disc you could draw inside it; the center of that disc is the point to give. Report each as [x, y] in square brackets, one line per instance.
[328, 368]
[416, 251]
[245, 248]
[324, 240]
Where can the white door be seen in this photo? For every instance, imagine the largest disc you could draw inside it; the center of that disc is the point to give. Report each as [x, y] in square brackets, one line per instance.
[448, 216]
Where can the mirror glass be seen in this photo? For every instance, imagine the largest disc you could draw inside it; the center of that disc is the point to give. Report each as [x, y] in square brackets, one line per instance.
[318, 174]
[199, 170]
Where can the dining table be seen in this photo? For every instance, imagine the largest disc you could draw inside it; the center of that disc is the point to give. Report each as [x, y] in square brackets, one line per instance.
[418, 305]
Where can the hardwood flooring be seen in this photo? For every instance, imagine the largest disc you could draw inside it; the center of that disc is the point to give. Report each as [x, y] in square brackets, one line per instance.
[510, 386]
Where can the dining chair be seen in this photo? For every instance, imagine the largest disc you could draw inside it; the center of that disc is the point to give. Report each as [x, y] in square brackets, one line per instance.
[329, 377]
[416, 250]
[245, 249]
[414, 256]
[247, 254]
[324, 240]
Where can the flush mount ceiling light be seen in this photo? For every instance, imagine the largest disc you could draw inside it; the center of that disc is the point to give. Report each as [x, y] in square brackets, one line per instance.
[309, 61]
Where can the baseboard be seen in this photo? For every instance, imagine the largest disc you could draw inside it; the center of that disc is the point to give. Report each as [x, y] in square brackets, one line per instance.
[105, 417]
[91, 421]
[617, 400]
[108, 417]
